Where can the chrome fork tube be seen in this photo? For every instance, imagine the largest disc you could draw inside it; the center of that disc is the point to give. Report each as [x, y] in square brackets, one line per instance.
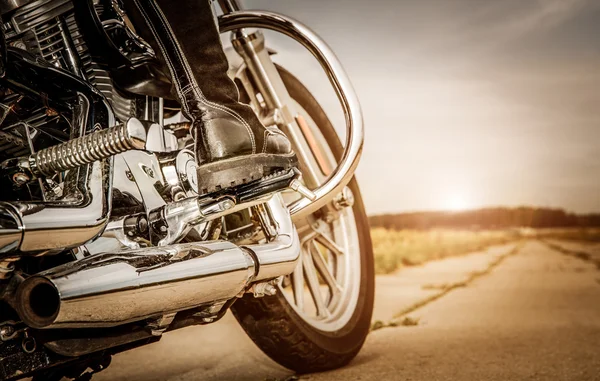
[277, 100]
[228, 6]
[344, 172]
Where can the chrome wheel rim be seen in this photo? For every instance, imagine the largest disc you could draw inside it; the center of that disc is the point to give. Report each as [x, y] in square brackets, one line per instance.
[323, 289]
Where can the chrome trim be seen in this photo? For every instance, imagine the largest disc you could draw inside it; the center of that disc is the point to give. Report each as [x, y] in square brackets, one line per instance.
[11, 5]
[11, 228]
[281, 255]
[107, 289]
[49, 226]
[117, 229]
[341, 84]
[83, 212]
[71, 55]
[173, 221]
[146, 176]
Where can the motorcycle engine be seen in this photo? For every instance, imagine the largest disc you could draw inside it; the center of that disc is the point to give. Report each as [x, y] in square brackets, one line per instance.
[48, 29]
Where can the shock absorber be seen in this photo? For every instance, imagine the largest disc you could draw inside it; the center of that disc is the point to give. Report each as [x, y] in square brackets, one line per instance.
[87, 149]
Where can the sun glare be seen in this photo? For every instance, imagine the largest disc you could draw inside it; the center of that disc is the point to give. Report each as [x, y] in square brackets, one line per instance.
[457, 202]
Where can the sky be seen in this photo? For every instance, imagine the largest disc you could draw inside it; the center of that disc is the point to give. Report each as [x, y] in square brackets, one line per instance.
[467, 103]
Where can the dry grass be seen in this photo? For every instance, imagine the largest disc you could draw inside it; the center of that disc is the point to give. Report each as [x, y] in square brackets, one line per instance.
[573, 234]
[394, 249]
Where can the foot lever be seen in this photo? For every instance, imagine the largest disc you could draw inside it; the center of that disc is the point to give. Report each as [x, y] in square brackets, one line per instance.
[297, 185]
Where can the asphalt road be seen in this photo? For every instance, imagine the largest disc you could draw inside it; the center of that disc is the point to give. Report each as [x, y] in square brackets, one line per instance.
[535, 316]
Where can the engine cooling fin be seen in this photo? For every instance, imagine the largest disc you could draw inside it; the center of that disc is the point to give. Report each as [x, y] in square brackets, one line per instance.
[50, 29]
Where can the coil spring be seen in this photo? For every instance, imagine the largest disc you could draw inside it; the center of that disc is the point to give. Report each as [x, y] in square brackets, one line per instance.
[89, 148]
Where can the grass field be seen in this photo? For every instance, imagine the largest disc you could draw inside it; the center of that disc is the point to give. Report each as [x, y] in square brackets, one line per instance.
[394, 249]
[572, 234]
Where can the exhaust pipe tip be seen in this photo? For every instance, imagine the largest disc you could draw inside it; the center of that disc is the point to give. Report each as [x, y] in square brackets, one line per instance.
[38, 302]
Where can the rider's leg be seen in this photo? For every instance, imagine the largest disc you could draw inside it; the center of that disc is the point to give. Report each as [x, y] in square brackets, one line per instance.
[232, 146]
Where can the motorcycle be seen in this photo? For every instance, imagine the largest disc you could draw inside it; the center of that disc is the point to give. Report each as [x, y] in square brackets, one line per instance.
[106, 242]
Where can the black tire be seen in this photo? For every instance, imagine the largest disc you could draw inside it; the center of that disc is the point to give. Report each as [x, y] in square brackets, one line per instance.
[274, 325]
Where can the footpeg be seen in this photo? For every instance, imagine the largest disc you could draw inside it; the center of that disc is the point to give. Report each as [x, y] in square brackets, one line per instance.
[273, 183]
[170, 223]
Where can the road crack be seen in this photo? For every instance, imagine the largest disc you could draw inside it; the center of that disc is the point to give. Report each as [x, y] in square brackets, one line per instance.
[401, 317]
[573, 253]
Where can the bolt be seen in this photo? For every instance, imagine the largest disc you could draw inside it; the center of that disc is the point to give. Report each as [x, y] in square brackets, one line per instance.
[142, 225]
[148, 171]
[227, 204]
[6, 331]
[51, 112]
[270, 290]
[18, 44]
[157, 332]
[179, 196]
[207, 319]
[345, 199]
[277, 116]
[20, 178]
[129, 176]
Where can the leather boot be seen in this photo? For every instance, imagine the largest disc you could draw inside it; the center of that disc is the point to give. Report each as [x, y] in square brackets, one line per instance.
[232, 145]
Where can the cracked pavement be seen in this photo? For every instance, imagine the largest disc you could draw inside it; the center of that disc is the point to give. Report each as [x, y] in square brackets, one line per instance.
[535, 316]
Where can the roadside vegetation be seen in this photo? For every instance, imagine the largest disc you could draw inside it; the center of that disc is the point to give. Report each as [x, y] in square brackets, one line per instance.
[591, 235]
[394, 249]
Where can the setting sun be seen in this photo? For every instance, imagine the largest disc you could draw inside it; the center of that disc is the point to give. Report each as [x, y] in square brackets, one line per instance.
[457, 202]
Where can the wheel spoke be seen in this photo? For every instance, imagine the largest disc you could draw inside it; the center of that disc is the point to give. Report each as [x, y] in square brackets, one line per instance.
[298, 285]
[328, 243]
[313, 285]
[323, 269]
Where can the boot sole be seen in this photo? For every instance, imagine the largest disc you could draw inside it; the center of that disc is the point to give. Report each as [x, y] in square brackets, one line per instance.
[223, 174]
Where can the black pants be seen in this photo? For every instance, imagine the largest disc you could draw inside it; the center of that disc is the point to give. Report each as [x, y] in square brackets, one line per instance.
[193, 57]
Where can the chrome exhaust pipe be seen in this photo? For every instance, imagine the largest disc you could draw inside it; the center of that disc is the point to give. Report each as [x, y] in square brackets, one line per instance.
[106, 290]
[279, 256]
[110, 289]
[11, 228]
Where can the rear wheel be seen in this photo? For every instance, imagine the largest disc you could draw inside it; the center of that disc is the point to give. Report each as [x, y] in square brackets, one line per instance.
[321, 316]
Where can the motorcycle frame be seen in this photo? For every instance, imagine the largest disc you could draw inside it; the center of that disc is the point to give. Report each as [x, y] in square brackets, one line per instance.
[279, 105]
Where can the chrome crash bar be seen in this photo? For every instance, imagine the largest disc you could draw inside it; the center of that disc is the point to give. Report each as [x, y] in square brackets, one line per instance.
[344, 172]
